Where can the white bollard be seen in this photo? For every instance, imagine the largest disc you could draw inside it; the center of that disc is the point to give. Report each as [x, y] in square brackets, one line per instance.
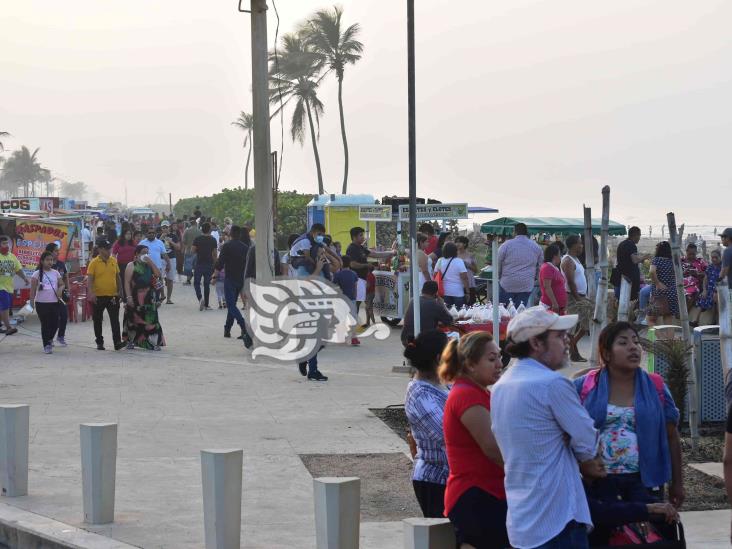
[337, 512]
[14, 428]
[428, 533]
[98, 471]
[221, 471]
[624, 300]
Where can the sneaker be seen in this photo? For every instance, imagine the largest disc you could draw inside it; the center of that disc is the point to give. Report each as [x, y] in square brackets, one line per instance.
[355, 341]
[61, 342]
[119, 345]
[317, 376]
[48, 349]
[227, 333]
[11, 331]
[156, 348]
[201, 304]
[130, 346]
[303, 367]
[100, 346]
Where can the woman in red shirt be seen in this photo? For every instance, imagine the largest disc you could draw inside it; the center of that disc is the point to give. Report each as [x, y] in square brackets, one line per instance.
[124, 251]
[475, 499]
[552, 281]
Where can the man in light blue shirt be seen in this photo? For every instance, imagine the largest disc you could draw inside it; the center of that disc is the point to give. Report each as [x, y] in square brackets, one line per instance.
[545, 435]
[156, 251]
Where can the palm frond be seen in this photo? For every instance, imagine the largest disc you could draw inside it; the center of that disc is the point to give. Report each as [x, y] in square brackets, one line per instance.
[297, 125]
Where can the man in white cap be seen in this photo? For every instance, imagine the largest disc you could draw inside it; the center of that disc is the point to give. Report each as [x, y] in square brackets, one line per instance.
[545, 435]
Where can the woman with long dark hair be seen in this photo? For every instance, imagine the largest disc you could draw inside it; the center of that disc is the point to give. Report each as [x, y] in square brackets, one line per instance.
[63, 310]
[664, 307]
[424, 405]
[123, 250]
[141, 323]
[637, 421]
[45, 297]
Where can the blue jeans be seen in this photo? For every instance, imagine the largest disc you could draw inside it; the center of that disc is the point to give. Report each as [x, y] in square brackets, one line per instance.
[451, 300]
[518, 297]
[312, 364]
[231, 294]
[205, 272]
[574, 536]
[644, 296]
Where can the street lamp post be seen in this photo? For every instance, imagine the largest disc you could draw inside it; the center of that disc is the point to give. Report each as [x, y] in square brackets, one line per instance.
[412, 167]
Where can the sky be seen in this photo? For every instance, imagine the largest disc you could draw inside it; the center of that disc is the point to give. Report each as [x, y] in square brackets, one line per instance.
[526, 106]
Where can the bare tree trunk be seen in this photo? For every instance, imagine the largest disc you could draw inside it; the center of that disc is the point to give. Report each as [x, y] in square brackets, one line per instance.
[599, 320]
[321, 190]
[589, 254]
[675, 239]
[249, 156]
[343, 135]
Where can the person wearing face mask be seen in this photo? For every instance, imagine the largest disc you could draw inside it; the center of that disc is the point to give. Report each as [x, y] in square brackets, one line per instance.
[305, 250]
[9, 267]
[543, 431]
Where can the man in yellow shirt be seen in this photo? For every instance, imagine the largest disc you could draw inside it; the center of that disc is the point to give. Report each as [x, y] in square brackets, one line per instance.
[103, 290]
[9, 267]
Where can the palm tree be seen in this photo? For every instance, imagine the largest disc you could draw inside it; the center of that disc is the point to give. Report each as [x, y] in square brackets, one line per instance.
[22, 169]
[294, 75]
[246, 123]
[337, 49]
[3, 134]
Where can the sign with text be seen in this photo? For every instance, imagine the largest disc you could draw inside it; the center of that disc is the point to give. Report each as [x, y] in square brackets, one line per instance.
[32, 237]
[19, 204]
[433, 212]
[391, 293]
[374, 213]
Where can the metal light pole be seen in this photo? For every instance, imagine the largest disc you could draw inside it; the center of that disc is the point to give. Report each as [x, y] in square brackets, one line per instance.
[412, 168]
[262, 163]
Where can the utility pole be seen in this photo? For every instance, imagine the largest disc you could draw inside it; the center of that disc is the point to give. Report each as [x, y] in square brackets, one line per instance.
[416, 291]
[262, 163]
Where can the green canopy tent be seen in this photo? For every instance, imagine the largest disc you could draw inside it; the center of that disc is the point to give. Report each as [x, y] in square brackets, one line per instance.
[552, 225]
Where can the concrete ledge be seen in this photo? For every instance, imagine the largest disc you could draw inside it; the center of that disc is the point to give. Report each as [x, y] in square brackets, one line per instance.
[21, 529]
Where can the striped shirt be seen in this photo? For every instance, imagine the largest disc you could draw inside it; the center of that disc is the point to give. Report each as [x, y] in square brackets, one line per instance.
[533, 407]
[424, 405]
[519, 260]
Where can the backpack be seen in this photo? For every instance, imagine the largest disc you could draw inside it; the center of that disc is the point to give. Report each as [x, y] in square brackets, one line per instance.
[439, 277]
[590, 383]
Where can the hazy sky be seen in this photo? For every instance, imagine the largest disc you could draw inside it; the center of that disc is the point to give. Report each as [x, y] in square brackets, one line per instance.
[527, 106]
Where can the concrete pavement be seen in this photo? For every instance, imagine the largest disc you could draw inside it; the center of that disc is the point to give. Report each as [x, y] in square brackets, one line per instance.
[202, 392]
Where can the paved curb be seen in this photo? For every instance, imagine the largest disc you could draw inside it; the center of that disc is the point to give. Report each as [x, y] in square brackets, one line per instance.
[21, 529]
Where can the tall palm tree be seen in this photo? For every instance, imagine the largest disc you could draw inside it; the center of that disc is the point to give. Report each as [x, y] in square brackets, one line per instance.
[246, 123]
[22, 169]
[337, 49]
[294, 75]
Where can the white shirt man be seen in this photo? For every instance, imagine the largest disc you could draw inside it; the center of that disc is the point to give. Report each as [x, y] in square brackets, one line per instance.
[543, 431]
[156, 251]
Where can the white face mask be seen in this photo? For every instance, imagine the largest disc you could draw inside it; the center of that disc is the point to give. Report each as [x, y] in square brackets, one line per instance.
[144, 257]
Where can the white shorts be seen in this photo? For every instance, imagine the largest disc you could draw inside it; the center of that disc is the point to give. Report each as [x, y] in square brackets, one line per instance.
[361, 290]
[172, 273]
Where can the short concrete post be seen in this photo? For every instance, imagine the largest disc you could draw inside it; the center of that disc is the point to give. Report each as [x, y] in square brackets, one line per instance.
[624, 301]
[98, 471]
[14, 427]
[337, 512]
[221, 471]
[428, 533]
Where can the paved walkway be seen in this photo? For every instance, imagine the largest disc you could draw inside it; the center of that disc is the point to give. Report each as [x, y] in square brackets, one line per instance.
[203, 392]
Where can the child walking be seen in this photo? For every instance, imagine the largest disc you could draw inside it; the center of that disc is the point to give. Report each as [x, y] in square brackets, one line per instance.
[219, 277]
[346, 279]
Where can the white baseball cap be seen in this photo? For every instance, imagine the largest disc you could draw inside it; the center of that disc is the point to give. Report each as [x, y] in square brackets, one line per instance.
[537, 320]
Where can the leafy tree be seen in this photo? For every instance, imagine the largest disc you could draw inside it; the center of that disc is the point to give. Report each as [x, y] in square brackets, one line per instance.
[238, 204]
[246, 123]
[337, 48]
[76, 190]
[294, 75]
[22, 169]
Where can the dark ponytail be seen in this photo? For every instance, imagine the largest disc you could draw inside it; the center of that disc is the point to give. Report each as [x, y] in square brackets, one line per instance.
[44, 255]
[424, 352]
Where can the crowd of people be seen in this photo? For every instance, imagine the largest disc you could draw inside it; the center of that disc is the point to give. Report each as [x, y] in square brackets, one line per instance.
[540, 459]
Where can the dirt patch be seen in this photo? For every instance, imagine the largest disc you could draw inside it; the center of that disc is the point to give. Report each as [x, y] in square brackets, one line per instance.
[386, 486]
[703, 492]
